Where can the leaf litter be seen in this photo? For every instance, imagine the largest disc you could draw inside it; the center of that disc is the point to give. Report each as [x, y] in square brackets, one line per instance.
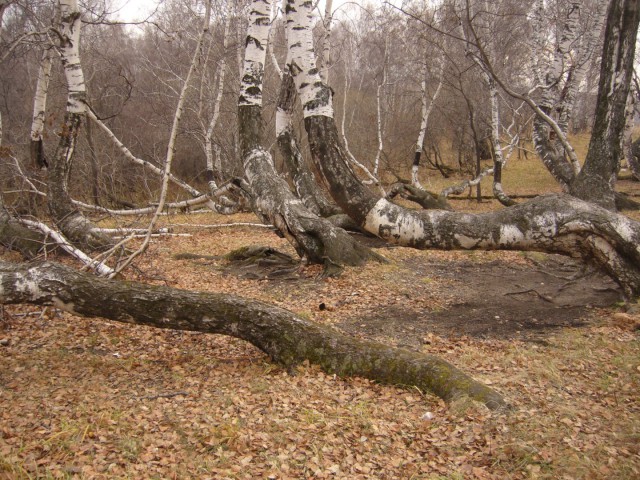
[88, 398]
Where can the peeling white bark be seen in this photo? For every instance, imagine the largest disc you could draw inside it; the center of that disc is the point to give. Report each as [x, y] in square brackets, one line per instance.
[40, 98]
[60, 240]
[315, 96]
[255, 54]
[70, 25]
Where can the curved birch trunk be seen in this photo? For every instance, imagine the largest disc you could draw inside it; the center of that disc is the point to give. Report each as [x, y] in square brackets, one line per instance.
[304, 181]
[553, 223]
[289, 340]
[302, 177]
[550, 150]
[75, 226]
[596, 180]
[315, 239]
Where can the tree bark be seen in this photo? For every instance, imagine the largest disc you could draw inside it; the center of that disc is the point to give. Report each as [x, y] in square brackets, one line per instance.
[552, 223]
[38, 158]
[287, 339]
[76, 227]
[303, 179]
[16, 237]
[315, 239]
[596, 180]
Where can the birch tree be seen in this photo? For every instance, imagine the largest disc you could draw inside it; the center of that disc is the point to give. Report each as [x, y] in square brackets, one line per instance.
[499, 160]
[39, 110]
[561, 164]
[552, 223]
[304, 181]
[66, 216]
[427, 107]
[597, 178]
[315, 239]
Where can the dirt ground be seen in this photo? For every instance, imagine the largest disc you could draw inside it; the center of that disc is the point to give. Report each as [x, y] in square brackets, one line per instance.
[497, 299]
[93, 399]
[524, 299]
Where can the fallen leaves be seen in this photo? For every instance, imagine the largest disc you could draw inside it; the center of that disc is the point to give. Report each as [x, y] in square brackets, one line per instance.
[95, 399]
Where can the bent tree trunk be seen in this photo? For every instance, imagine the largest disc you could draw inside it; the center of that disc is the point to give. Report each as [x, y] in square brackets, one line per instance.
[303, 179]
[596, 180]
[287, 339]
[552, 223]
[67, 217]
[315, 239]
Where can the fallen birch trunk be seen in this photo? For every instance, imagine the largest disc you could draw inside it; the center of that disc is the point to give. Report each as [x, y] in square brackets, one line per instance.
[287, 339]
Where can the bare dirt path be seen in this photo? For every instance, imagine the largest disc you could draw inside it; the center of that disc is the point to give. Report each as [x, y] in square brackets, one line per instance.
[496, 299]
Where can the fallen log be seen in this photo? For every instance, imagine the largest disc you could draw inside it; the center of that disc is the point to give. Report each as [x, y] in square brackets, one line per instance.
[288, 339]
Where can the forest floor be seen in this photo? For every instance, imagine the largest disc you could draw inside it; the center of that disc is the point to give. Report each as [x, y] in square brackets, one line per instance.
[89, 398]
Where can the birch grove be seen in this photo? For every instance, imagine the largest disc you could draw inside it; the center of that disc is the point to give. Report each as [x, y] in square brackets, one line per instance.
[138, 151]
[315, 239]
[167, 89]
[550, 223]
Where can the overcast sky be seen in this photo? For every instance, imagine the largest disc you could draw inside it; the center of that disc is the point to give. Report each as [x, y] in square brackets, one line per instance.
[130, 10]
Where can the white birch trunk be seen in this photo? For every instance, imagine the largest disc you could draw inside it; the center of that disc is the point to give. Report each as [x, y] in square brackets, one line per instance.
[326, 41]
[40, 100]
[380, 89]
[255, 54]
[315, 96]
[212, 167]
[70, 54]
[427, 107]
[39, 110]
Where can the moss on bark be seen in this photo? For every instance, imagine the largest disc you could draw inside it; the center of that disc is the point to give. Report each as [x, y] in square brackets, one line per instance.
[287, 339]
